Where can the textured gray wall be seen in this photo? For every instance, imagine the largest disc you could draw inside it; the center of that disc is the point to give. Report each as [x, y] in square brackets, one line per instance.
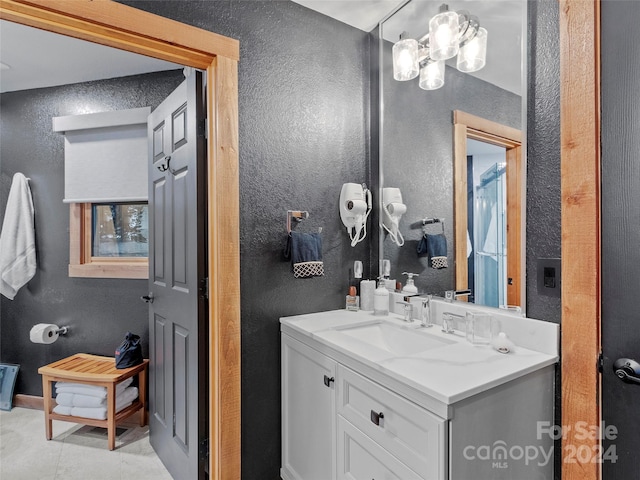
[543, 153]
[304, 109]
[99, 311]
[417, 157]
[304, 130]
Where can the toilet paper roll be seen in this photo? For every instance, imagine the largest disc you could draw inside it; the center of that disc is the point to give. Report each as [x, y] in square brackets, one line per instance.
[44, 333]
[356, 207]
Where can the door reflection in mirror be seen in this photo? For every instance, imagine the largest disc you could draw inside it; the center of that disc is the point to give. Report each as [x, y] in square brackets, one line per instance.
[486, 223]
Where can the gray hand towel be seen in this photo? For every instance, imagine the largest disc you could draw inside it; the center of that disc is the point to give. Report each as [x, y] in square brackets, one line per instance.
[305, 251]
[435, 246]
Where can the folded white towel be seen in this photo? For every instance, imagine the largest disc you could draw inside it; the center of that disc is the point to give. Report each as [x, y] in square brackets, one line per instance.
[89, 401]
[95, 413]
[99, 413]
[90, 390]
[18, 239]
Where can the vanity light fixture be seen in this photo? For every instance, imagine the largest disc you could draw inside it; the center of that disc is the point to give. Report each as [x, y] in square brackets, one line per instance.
[450, 34]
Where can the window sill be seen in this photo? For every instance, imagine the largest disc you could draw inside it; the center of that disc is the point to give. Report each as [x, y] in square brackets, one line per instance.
[110, 270]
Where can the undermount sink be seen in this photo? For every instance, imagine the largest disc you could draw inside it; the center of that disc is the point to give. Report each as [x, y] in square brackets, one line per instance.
[393, 339]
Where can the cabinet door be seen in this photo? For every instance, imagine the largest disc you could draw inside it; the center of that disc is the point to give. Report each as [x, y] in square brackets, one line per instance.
[308, 413]
[360, 458]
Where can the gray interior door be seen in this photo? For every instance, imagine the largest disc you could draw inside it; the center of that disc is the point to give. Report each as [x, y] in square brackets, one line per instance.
[620, 236]
[177, 326]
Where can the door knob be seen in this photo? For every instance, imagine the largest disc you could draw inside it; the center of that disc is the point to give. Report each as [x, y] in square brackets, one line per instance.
[147, 298]
[328, 380]
[627, 370]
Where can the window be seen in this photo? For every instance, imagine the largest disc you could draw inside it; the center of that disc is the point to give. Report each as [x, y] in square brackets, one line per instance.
[109, 240]
[105, 183]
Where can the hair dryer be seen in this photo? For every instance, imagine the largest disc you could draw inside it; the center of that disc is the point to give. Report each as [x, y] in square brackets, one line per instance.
[355, 207]
[392, 211]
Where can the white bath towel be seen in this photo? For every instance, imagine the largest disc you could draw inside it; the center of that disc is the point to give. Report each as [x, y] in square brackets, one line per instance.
[95, 413]
[88, 401]
[18, 239]
[90, 390]
[99, 413]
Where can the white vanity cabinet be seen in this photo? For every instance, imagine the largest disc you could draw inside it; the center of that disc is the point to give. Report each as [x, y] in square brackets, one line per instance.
[352, 413]
[308, 413]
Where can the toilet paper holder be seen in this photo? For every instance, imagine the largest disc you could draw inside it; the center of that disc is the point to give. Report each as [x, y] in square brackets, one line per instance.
[62, 330]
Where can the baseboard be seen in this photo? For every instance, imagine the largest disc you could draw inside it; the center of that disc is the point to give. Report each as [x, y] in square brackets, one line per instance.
[28, 401]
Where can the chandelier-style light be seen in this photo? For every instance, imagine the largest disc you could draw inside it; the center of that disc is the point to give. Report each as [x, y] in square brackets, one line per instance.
[450, 34]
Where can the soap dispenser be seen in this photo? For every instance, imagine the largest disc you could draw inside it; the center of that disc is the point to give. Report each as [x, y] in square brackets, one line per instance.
[410, 286]
[381, 299]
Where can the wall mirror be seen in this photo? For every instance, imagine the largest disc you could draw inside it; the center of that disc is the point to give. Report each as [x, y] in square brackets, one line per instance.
[456, 152]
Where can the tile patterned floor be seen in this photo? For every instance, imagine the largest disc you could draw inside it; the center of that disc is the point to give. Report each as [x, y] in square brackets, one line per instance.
[76, 452]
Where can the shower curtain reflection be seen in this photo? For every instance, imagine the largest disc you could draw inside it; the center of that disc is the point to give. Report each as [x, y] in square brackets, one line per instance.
[487, 262]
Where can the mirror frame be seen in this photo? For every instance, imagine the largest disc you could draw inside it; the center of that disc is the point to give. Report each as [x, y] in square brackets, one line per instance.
[127, 28]
[467, 126]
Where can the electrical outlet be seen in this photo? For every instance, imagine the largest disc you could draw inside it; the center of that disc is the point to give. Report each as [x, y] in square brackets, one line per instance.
[549, 277]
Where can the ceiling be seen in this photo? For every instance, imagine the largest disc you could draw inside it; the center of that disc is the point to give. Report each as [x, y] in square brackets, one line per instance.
[36, 58]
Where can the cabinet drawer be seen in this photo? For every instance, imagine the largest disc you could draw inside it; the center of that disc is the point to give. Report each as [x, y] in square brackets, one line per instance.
[360, 458]
[415, 436]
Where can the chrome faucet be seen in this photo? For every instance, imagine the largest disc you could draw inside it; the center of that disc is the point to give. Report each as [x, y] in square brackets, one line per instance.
[448, 319]
[408, 311]
[451, 295]
[426, 312]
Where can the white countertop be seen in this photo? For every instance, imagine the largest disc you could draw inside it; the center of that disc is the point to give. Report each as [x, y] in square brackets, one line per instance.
[447, 374]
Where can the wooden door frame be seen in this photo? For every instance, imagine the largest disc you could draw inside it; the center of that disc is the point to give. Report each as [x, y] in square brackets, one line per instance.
[127, 28]
[580, 221]
[467, 126]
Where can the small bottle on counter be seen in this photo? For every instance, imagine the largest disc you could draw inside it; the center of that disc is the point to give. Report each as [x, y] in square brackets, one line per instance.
[353, 300]
[381, 299]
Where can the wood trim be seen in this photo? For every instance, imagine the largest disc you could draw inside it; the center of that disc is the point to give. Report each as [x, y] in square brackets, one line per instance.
[460, 203]
[224, 255]
[28, 401]
[117, 25]
[493, 129]
[477, 128]
[124, 27]
[580, 218]
[515, 179]
[82, 264]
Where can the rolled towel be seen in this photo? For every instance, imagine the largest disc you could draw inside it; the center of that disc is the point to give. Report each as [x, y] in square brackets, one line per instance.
[305, 251]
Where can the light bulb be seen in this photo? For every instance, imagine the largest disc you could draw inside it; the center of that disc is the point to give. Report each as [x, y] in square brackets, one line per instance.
[472, 56]
[432, 75]
[443, 36]
[405, 59]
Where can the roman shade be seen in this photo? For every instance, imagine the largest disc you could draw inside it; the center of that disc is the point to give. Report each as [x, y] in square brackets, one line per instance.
[105, 156]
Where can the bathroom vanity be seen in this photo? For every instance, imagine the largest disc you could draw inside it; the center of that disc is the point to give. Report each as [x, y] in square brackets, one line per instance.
[367, 397]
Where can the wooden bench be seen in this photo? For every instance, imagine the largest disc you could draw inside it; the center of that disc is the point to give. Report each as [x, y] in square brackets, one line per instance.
[94, 370]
